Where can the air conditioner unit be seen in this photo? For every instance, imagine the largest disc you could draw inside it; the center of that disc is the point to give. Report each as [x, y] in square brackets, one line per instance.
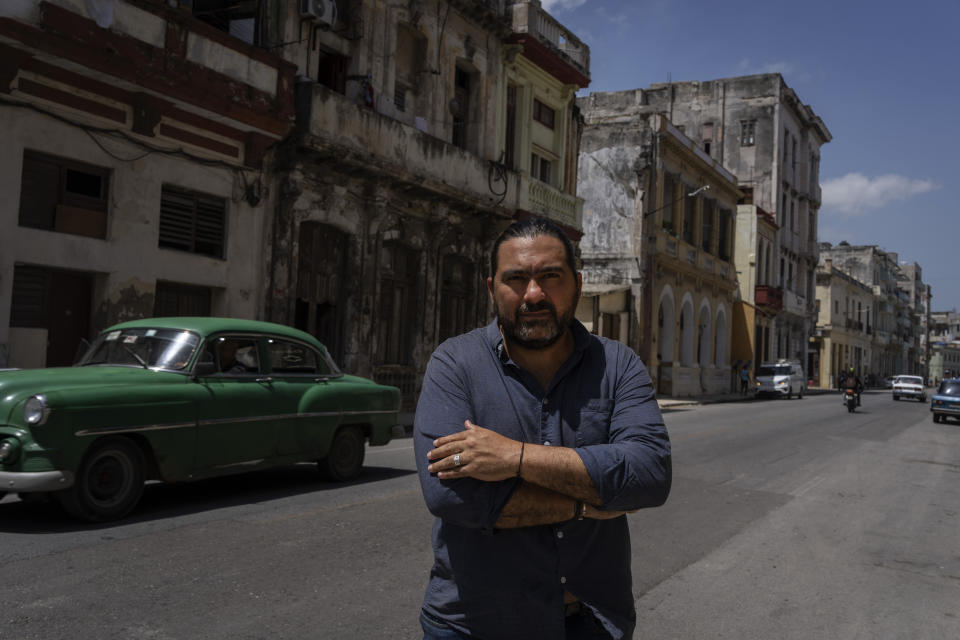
[324, 12]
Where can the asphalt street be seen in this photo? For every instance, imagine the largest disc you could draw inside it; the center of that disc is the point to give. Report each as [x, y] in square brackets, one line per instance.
[788, 519]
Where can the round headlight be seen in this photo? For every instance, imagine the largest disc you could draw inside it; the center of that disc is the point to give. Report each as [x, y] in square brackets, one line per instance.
[9, 449]
[35, 410]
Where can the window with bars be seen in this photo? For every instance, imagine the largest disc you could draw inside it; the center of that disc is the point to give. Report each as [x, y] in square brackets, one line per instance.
[398, 287]
[193, 222]
[456, 297]
[31, 287]
[174, 299]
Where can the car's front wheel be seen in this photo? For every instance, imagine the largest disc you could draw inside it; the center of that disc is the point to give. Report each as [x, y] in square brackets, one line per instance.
[345, 459]
[109, 483]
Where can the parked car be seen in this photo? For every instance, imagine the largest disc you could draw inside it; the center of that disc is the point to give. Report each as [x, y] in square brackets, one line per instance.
[888, 382]
[783, 378]
[178, 399]
[909, 387]
[945, 401]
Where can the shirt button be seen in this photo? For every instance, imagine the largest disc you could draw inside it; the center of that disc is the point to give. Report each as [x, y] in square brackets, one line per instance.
[563, 580]
[559, 534]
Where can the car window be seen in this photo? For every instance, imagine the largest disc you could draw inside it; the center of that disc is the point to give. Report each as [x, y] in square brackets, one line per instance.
[949, 388]
[234, 355]
[294, 357]
[910, 380]
[142, 347]
[775, 370]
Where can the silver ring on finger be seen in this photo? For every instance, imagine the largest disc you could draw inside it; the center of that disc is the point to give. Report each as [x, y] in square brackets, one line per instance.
[456, 459]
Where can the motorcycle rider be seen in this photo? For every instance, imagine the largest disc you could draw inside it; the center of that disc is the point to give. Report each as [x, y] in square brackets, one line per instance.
[852, 381]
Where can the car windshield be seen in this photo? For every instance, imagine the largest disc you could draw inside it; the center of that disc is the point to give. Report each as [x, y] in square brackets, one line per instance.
[153, 348]
[774, 370]
[949, 388]
[910, 380]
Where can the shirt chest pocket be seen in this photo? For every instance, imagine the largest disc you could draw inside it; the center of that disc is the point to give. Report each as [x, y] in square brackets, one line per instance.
[594, 427]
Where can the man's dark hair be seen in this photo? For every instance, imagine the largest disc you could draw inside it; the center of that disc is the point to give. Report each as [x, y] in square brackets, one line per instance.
[531, 228]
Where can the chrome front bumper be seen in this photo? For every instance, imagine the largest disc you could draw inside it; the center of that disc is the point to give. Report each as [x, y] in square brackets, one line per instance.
[953, 411]
[32, 482]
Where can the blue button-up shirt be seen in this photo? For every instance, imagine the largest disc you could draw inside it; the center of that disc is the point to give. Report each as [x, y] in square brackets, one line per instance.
[509, 583]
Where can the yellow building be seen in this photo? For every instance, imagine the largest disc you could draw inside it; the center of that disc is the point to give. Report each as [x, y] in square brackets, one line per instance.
[760, 299]
[845, 329]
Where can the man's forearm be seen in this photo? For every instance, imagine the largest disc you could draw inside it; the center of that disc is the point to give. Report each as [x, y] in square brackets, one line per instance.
[532, 505]
[559, 469]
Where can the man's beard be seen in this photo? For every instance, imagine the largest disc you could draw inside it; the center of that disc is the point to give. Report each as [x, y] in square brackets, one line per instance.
[520, 331]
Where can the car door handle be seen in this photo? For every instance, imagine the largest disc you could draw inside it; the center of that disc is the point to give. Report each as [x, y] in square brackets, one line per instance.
[267, 379]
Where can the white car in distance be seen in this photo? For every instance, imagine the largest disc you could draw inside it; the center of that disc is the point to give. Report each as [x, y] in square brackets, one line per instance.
[909, 387]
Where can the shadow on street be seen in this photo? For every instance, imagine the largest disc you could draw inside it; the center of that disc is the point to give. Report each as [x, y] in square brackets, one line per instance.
[184, 498]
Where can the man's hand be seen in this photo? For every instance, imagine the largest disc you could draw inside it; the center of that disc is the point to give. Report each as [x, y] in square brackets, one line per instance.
[484, 454]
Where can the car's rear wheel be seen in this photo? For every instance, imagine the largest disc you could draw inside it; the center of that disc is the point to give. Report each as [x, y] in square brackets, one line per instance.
[109, 482]
[936, 418]
[345, 459]
[896, 397]
[800, 394]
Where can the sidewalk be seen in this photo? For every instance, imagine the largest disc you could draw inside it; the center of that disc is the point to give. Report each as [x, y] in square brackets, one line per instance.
[668, 403]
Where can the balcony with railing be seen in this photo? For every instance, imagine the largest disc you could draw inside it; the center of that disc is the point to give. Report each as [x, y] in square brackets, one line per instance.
[549, 44]
[542, 199]
[769, 297]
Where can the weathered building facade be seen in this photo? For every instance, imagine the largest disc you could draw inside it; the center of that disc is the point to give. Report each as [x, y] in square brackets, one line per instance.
[893, 315]
[758, 129]
[135, 168]
[658, 244]
[944, 345]
[341, 166]
[423, 129]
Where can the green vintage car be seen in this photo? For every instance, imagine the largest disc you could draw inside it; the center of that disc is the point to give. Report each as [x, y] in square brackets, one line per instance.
[178, 399]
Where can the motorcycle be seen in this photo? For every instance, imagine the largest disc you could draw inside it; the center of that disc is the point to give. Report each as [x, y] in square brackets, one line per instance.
[850, 399]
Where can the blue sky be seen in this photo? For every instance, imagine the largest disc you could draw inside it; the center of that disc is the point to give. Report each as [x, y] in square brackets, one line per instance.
[882, 75]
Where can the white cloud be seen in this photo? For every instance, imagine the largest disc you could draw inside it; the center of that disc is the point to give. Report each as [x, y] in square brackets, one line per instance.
[551, 5]
[855, 193]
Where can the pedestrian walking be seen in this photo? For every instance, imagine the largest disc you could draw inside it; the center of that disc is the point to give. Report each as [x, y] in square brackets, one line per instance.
[533, 440]
[744, 379]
